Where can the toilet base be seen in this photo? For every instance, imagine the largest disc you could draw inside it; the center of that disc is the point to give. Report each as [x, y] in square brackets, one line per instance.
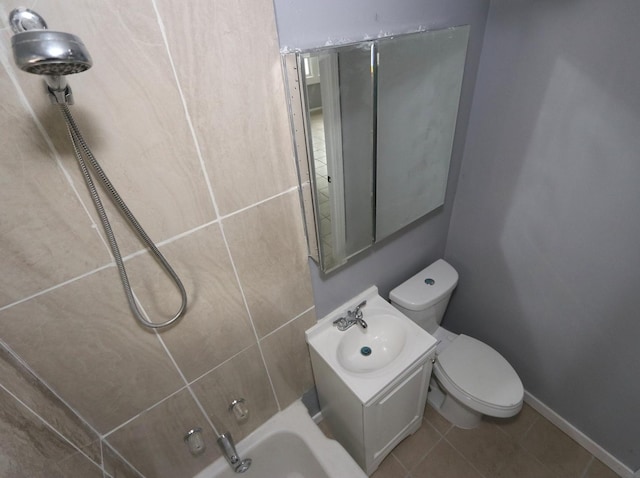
[455, 412]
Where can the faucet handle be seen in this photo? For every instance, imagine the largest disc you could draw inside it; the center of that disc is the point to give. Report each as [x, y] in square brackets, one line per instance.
[357, 313]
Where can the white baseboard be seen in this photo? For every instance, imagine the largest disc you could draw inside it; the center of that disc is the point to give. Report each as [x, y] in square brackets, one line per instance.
[317, 418]
[583, 440]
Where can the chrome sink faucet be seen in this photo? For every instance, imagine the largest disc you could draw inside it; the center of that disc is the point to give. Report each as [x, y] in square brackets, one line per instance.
[353, 317]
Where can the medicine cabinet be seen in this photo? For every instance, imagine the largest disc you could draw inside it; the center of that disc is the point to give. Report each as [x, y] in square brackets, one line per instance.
[373, 127]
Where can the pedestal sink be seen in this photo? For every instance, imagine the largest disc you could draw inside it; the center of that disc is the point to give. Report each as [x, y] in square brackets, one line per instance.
[371, 382]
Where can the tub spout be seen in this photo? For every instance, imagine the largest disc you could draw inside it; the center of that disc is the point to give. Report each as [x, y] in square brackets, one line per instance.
[228, 448]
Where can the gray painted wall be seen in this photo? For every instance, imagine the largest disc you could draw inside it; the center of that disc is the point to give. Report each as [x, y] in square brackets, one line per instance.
[304, 24]
[546, 226]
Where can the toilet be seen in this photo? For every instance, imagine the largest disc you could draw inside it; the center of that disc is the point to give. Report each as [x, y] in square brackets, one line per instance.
[470, 379]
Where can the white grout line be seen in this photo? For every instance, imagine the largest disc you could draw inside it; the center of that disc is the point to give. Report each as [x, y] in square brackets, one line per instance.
[48, 387]
[51, 427]
[221, 364]
[186, 108]
[188, 387]
[57, 286]
[122, 458]
[45, 135]
[288, 322]
[270, 198]
[143, 251]
[246, 305]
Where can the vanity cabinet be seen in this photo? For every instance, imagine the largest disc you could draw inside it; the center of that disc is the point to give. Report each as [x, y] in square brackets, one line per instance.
[372, 381]
[369, 431]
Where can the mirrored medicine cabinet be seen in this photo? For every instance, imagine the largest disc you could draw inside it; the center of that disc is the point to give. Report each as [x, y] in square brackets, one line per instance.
[373, 126]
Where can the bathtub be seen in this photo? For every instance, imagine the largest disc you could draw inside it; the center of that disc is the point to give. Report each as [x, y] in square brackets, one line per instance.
[289, 445]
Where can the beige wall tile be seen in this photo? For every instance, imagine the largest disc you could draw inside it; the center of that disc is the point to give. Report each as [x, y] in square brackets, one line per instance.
[83, 340]
[45, 235]
[269, 251]
[30, 447]
[244, 376]
[154, 441]
[287, 357]
[78, 466]
[216, 325]
[129, 109]
[16, 378]
[228, 62]
[114, 465]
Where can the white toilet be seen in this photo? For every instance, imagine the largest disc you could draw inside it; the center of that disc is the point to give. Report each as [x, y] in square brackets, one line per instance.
[470, 379]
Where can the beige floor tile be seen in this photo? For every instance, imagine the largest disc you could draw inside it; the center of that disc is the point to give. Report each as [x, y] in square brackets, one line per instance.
[444, 462]
[390, 468]
[556, 450]
[486, 447]
[519, 425]
[413, 448]
[597, 469]
[436, 420]
[523, 464]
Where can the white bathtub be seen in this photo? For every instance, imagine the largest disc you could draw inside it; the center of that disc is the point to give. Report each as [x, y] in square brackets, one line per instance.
[289, 445]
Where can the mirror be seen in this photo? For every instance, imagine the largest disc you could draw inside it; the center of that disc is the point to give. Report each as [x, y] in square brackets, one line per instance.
[375, 128]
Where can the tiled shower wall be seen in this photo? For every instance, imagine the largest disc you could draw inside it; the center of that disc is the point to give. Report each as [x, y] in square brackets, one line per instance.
[185, 109]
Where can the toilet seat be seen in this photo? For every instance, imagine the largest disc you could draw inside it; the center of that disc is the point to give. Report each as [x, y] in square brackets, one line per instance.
[479, 377]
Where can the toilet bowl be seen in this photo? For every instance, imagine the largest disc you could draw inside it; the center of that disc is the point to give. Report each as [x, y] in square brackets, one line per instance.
[470, 379]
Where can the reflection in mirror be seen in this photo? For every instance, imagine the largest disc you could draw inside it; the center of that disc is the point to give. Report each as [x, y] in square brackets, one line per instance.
[379, 123]
[339, 99]
[419, 81]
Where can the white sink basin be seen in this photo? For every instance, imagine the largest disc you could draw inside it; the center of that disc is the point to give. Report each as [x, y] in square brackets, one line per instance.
[365, 350]
[367, 359]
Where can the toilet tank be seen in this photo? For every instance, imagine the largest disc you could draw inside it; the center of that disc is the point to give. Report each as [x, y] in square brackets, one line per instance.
[424, 297]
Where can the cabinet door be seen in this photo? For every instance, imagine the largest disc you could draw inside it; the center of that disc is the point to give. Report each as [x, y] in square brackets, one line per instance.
[389, 419]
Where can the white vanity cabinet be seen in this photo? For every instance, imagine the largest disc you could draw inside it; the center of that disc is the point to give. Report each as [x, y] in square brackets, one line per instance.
[393, 415]
[369, 431]
[372, 381]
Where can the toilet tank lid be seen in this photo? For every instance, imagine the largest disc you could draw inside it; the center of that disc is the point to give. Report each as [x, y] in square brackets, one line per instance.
[426, 287]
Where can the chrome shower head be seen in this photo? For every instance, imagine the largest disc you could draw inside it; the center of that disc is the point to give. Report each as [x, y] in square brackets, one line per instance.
[45, 52]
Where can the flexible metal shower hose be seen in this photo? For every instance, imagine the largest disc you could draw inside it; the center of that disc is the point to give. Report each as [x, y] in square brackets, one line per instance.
[79, 147]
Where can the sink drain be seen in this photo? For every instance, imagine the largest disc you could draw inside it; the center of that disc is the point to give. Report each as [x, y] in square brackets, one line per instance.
[366, 351]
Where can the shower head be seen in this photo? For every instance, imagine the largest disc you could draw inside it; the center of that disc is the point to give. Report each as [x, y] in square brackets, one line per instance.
[45, 52]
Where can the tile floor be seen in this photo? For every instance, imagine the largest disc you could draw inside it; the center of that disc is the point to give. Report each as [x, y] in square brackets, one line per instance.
[526, 446]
